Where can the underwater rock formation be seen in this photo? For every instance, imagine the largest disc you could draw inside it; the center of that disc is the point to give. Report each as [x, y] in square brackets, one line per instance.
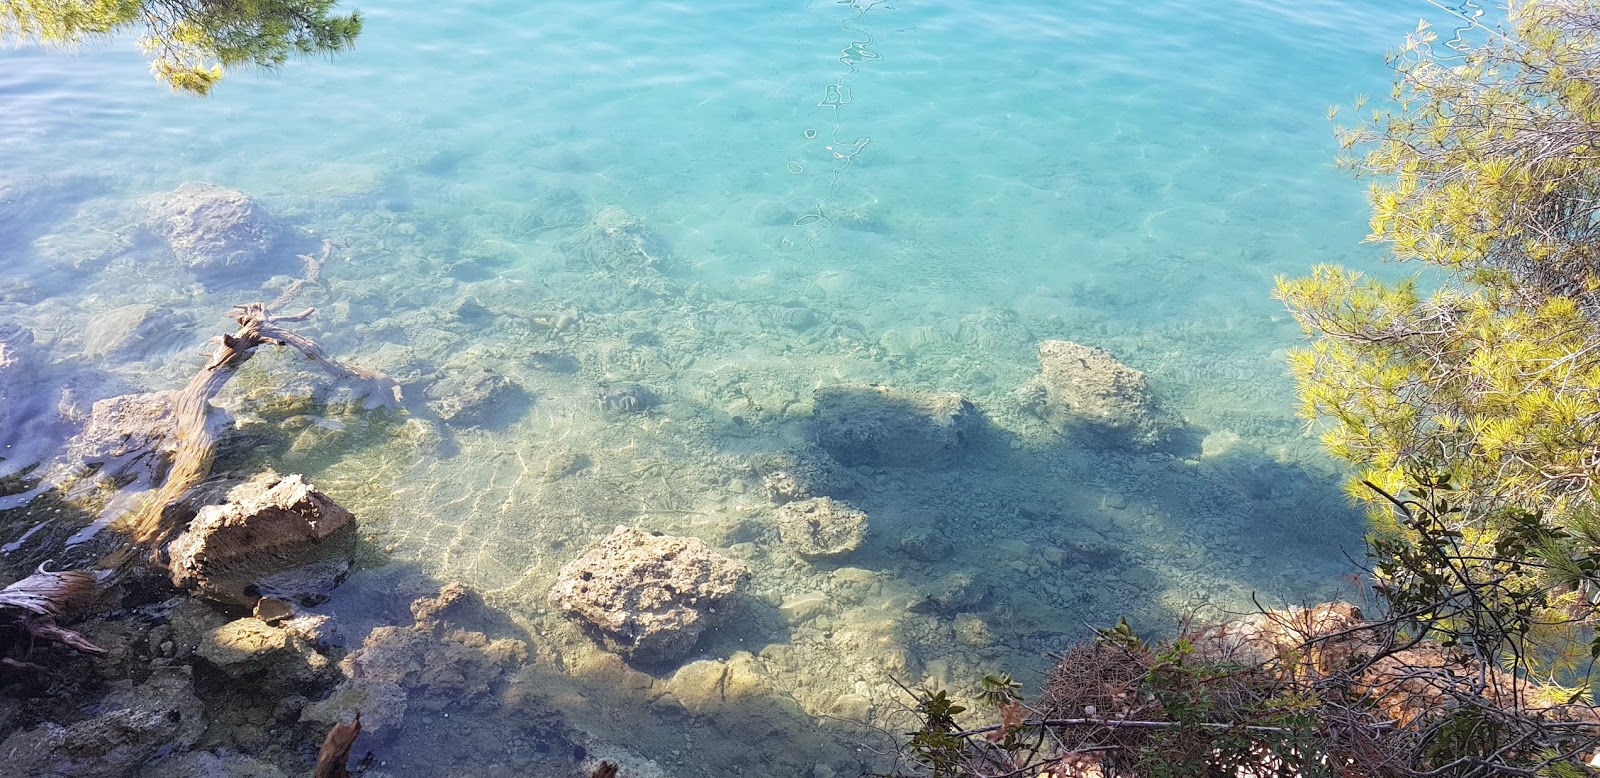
[789, 476]
[432, 665]
[646, 597]
[477, 397]
[1083, 386]
[275, 536]
[821, 527]
[875, 425]
[133, 727]
[214, 231]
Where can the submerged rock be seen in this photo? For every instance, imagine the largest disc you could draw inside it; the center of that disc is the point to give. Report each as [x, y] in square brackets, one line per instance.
[647, 597]
[433, 665]
[250, 647]
[821, 527]
[877, 425]
[215, 231]
[134, 435]
[790, 476]
[133, 728]
[275, 536]
[1083, 386]
[926, 545]
[477, 397]
[136, 326]
[382, 704]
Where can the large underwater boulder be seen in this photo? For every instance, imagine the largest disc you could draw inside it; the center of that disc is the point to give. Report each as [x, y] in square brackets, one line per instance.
[215, 231]
[1082, 387]
[646, 597]
[863, 424]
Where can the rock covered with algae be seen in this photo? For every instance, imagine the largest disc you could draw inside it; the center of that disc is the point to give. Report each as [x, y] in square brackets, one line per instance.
[1085, 387]
[646, 597]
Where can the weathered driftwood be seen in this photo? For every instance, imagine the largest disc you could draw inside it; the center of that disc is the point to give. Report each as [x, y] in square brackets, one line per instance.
[162, 514]
[34, 603]
[335, 751]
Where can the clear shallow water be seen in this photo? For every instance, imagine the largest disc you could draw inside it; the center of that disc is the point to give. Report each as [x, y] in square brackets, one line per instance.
[974, 179]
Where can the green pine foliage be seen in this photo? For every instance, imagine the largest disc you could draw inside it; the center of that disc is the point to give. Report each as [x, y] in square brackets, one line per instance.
[1483, 370]
[190, 43]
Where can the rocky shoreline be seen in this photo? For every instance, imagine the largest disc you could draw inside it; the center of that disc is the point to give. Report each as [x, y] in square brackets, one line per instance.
[790, 539]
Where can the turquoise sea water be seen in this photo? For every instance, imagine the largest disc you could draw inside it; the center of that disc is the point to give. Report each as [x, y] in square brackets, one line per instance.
[937, 186]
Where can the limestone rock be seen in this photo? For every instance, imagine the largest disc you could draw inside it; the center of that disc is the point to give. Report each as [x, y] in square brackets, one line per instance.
[477, 397]
[215, 231]
[382, 704]
[788, 476]
[821, 527]
[877, 425]
[710, 686]
[1083, 386]
[133, 727]
[251, 647]
[647, 597]
[275, 536]
[134, 434]
[431, 665]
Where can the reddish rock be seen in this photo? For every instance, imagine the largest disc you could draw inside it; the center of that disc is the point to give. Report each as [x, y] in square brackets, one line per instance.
[275, 536]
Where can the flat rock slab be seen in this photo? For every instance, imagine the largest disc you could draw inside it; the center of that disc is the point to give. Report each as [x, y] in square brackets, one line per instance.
[275, 536]
[646, 597]
[867, 424]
